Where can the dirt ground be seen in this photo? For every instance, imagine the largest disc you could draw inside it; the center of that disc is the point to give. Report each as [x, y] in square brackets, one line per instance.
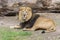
[37, 35]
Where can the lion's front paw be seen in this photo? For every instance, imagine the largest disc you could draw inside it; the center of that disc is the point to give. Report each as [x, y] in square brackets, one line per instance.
[16, 26]
[11, 26]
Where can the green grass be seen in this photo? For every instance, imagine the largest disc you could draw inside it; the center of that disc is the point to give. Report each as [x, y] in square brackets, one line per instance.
[13, 34]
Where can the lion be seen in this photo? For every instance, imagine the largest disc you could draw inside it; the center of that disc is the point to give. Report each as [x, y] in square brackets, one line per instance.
[43, 23]
[25, 14]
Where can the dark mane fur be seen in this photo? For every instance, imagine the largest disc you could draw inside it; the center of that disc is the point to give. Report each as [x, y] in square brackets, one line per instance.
[30, 23]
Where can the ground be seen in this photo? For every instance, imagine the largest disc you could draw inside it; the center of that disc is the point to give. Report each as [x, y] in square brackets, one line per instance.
[6, 22]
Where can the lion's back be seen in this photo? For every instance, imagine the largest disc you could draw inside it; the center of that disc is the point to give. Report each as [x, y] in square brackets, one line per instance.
[42, 22]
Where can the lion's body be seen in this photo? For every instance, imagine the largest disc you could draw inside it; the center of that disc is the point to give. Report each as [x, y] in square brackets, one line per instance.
[40, 22]
[43, 23]
[21, 16]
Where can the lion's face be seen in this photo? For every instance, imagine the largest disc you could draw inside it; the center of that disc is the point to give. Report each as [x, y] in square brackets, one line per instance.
[25, 13]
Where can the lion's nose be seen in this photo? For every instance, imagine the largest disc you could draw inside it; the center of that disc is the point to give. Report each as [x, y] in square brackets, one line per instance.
[24, 14]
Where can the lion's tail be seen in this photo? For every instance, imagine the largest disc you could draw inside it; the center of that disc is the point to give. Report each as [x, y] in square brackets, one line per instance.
[43, 31]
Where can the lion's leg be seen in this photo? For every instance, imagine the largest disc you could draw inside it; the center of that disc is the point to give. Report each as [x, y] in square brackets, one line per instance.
[47, 30]
[52, 29]
[17, 26]
[28, 29]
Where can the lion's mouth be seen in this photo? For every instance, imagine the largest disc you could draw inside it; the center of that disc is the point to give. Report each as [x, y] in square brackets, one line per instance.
[24, 16]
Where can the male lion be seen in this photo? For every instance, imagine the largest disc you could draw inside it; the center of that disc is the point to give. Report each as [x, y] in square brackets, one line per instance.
[25, 14]
[43, 23]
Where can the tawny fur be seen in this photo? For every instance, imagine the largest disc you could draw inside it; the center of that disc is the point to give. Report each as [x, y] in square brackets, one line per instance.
[28, 16]
[43, 23]
[26, 9]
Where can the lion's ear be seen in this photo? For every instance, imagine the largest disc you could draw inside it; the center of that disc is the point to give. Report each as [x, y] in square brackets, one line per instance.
[29, 9]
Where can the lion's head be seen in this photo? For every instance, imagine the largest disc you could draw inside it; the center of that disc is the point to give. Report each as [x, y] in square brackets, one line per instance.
[25, 14]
